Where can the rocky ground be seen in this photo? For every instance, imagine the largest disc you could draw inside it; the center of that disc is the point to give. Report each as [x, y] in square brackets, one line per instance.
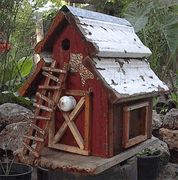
[14, 122]
[169, 172]
[165, 127]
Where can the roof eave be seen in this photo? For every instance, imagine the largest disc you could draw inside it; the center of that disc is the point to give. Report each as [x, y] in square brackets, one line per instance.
[124, 98]
[114, 96]
[123, 54]
[57, 20]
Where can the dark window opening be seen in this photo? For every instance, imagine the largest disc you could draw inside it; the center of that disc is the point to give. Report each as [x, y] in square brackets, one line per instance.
[65, 44]
[135, 120]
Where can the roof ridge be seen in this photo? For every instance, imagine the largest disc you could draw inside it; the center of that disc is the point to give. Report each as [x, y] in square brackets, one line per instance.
[83, 13]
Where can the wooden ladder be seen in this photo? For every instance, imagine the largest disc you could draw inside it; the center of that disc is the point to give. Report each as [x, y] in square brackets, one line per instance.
[47, 98]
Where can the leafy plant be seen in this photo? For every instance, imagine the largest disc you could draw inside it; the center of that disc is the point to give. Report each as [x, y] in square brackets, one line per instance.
[156, 22]
[8, 97]
[149, 152]
[8, 160]
[16, 21]
[174, 97]
[15, 72]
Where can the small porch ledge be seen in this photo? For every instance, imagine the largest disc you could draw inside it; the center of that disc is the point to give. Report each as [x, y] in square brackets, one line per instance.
[89, 165]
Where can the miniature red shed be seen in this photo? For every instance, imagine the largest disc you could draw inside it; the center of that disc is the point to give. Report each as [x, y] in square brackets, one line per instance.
[109, 86]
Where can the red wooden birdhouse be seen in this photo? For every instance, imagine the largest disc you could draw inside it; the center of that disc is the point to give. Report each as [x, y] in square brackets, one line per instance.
[93, 86]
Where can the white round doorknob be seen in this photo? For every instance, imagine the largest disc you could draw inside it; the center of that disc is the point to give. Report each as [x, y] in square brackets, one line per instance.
[67, 103]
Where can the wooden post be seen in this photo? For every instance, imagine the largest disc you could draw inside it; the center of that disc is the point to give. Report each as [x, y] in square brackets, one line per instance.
[39, 33]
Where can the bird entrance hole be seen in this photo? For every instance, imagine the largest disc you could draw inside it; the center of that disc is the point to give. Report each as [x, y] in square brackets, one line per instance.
[65, 44]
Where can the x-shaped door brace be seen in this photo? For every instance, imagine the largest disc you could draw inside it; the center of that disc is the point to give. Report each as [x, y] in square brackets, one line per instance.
[69, 122]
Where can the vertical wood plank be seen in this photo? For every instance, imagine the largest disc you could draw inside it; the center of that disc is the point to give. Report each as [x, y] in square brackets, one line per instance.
[51, 129]
[111, 130]
[126, 126]
[87, 123]
[149, 120]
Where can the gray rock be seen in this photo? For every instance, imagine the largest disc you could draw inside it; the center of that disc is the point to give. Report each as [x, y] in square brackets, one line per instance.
[11, 136]
[13, 113]
[169, 172]
[17, 120]
[170, 120]
[170, 137]
[157, 121]
[162, 146]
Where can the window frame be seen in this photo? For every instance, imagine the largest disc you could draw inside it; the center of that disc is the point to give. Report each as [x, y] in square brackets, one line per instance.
[126, 141]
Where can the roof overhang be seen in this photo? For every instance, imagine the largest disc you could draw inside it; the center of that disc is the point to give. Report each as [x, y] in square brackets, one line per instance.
[57, 25]
[129, 79]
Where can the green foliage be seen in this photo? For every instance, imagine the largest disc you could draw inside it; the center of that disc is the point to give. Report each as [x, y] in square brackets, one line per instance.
[24, 66]
[22, 37]
[11, 98]
[18, 24]
[14, 72]
[156, 22]
[48, 18]
[174, 97]
[149, 152]
[137, 17]
[112, 7]
[16, 21]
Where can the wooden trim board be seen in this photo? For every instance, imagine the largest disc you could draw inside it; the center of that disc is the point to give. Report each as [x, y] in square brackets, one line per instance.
[27, 85]
[68, 148]
[126, 141]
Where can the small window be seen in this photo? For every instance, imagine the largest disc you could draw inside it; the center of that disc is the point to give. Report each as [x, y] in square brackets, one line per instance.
[65, 44]
[135, 118]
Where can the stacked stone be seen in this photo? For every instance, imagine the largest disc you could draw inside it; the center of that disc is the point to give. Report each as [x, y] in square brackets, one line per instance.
[169, 132]
[14, 123]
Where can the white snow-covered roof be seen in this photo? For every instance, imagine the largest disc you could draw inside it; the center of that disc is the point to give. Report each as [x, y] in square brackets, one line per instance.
[111, 36]
[83, 13]
[129, 76]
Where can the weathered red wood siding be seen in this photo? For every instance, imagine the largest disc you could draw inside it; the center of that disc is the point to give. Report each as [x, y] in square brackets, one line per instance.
[99, 134]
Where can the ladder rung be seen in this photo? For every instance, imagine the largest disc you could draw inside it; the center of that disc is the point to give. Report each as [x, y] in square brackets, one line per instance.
[54, 78]
[40, 118]
[45, 98]
[49, 69]
[50, 87]
[43, 107]
[37, 128]
[35, 153]
[34, 138]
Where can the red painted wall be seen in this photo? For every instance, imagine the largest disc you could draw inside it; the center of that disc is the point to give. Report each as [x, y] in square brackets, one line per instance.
[99, 140]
